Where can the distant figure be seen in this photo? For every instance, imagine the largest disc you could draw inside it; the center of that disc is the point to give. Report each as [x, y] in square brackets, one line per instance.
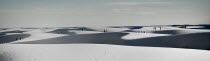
[105, 30]
[185, 27]
[20, 38]
[160, 28]
[16, 38]
[82, 29]
[154, 28]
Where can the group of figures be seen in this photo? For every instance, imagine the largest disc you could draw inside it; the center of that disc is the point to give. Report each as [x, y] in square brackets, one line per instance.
[19, 38]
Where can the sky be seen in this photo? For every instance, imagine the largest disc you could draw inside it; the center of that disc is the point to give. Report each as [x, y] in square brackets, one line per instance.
[69, 13]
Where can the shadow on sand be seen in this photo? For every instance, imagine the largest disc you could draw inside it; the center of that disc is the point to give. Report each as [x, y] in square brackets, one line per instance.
[173, 32]
[10, 38]
[204, 26]
[192, 41]
[66, 31]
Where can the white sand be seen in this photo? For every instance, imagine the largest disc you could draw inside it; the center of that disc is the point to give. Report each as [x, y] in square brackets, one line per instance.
[14, 29]
[100, 52]
[108, 29]
[132, 36]
[85, 32]
[39, 34]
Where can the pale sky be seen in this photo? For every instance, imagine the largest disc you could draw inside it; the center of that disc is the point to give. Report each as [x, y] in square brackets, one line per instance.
[68, 13]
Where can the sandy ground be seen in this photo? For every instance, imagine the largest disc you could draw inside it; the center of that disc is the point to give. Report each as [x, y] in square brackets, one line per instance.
[101, 52]
[122, 43]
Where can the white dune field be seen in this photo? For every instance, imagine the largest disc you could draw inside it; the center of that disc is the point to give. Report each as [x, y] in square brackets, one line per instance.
[100, 52]
[104, 30]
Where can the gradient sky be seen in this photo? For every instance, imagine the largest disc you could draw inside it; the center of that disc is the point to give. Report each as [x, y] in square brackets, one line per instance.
[56, 13]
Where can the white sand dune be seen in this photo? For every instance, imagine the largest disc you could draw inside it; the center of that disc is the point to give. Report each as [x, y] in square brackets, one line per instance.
[195, 26]
[12, 33]
[148, 29]
[170, 30]
[117, 29]
[84, 32]
[128, 46]
[186, 31]
[96, 52]
[109, 29]
[14, 29]
[132, 36]
[145, 29]
[39, 34]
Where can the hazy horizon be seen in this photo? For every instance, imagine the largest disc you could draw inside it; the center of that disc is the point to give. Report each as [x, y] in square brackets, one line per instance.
[70, 13]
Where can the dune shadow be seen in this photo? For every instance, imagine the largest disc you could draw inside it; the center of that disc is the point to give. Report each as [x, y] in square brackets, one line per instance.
[192, 41]
[4, 28]
[11, 38]
[204, 26]
[101, 38]
[173, 32]
[62, 31]
[66, 31]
